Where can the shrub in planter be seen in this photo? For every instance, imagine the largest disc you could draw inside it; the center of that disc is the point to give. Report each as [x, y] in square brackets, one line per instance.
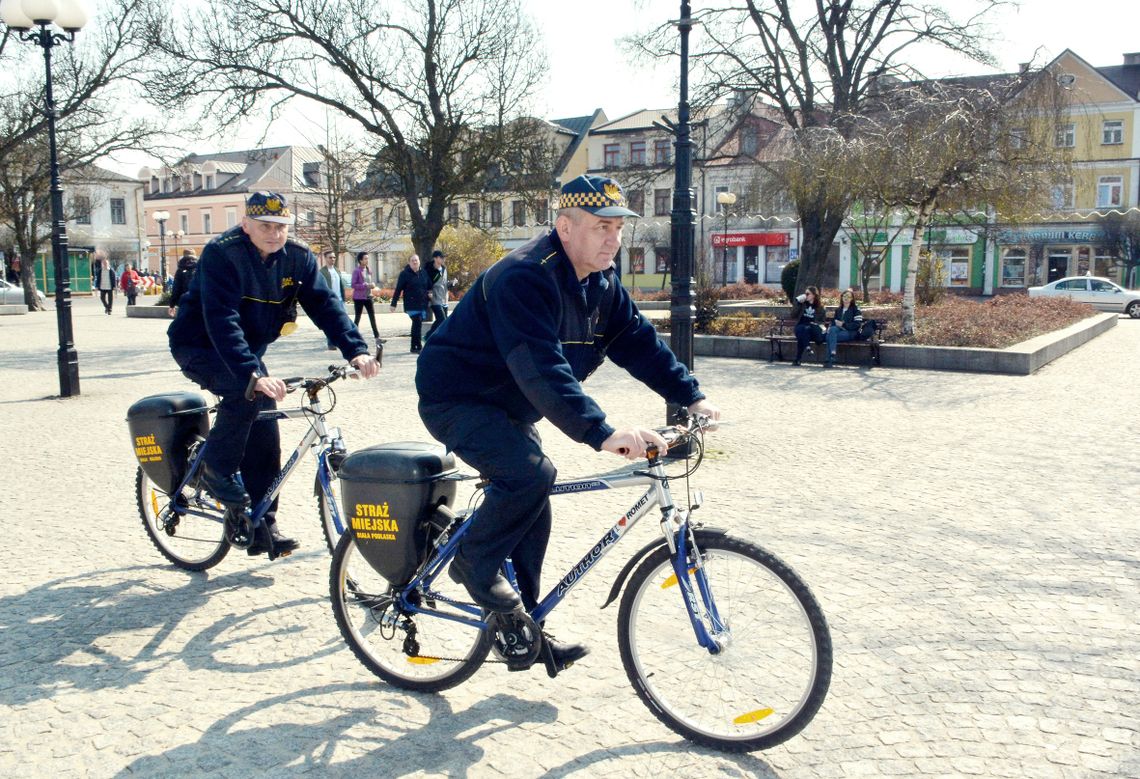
[788, 277]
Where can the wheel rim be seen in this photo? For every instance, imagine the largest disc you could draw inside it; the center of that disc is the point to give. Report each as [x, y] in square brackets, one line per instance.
[196, 539]
[762, 679]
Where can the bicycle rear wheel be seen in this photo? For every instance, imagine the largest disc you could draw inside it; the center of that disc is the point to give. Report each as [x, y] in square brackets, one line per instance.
[771, 675]
[192, 541]
[414, 652]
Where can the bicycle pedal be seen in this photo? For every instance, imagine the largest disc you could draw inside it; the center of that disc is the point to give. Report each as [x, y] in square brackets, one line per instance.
[515, 638]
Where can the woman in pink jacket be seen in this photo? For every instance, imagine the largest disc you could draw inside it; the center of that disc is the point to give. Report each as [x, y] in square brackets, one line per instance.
[362, 292]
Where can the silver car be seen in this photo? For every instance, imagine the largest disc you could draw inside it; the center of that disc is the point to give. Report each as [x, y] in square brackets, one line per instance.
[1097, 292]
[12, 295]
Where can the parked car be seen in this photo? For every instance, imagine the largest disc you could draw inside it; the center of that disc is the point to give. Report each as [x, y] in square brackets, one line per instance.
[12, 295]
[1097, 292]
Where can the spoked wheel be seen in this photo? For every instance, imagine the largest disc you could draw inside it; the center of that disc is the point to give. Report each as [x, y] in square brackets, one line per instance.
[194, 539]
[772, 672]
[414, 652]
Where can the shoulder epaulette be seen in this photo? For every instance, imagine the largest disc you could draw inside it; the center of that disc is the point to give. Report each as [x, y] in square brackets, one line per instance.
[291, 241]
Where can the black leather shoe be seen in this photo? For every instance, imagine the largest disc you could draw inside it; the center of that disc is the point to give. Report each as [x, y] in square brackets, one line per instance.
[270, 540]
[565, 655]
[494, 595]
[227, 488]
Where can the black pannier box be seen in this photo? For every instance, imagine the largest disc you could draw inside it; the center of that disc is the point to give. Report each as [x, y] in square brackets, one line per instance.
[162, 427]
[388, 492]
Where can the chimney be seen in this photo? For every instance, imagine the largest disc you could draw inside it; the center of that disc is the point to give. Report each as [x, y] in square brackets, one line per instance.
[1132, 58]
[1022, 68]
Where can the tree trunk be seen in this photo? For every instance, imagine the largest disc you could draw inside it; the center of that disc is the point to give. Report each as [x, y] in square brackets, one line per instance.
[27, 281]
[920, 222]
[820, 226]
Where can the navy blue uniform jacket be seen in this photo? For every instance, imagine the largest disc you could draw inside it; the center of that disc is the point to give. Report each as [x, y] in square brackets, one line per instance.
[237, 303]
[527, 333]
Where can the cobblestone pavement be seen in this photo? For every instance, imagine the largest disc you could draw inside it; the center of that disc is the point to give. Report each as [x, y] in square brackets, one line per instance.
[972, 538]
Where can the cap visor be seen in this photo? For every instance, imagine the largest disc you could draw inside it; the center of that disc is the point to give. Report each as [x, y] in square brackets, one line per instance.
[281, 220]
[614, 211]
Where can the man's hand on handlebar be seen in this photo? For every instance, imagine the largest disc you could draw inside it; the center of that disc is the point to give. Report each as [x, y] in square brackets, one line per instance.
[702, 408]
[271, 386]
[366, 365]
[632, 442]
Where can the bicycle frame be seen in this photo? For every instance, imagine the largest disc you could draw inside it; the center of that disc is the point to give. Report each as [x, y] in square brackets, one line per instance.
[674, 527]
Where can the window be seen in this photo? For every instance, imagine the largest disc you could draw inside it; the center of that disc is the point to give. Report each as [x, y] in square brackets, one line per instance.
[377, 215]
[81, 204]
[231, 216]
[661, 199]
[197, 180]
[955, 264]
[309, 217]
[874, 259]
[636, 199]
[118, 211]
[749, 141]
[637, 153]
[1063, 196]
[453, 214]
[661, 152]
[1109, 191]
[518, 213]
[356, 217]
[541, 212]
[1112, 132]
[184, 221]
[496, 217]
[207, 223]
[1105, 263]
[154, 185]
[209, 181]
[662, 255]
[1080, 285]
[1066, 137]
[612, 155]
[636, 259]
[1103, 286]
[1013, 267]
[1017, 137]
[401, 215]
[473, 214]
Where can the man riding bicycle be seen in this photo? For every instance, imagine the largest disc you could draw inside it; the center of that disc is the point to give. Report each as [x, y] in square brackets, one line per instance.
[244, 295]
[528, 332]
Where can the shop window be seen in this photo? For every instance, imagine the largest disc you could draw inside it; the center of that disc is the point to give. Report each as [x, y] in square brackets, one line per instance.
[1013, 267]
[661, 199]
[1109, 191]
[1105, 264]
[1112, 132]
[612, 155]
[955, 264]
[636, 259]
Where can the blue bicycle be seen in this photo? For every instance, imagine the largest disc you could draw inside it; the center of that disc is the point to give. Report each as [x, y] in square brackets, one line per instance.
[722, 641]
[184, 522]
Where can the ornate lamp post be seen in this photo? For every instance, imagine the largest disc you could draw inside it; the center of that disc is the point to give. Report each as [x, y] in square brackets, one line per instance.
[161, 217]
[70, 16]
[725, 200]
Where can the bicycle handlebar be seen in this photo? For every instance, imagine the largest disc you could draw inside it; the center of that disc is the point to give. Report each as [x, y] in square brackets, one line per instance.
[675, 435]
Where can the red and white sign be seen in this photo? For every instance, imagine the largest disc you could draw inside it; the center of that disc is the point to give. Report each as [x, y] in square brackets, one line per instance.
[749, 239]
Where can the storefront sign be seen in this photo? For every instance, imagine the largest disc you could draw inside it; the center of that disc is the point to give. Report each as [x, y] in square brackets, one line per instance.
[1083, 234]
[749, 239]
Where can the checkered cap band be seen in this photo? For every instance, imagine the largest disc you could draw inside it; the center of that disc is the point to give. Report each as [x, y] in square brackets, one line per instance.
[271, 207]
[588, 200]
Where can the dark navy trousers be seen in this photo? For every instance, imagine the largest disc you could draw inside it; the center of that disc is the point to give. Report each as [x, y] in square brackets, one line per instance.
[238, 441]
[514, 518]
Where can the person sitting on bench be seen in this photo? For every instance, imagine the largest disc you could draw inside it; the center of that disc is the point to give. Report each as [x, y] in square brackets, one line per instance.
[845, 324]
[810, 315]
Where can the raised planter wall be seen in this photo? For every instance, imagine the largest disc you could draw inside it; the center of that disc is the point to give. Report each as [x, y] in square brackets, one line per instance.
[149, 311]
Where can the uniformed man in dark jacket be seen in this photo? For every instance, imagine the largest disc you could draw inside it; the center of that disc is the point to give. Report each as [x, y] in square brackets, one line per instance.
[243, 296]
[530, 329]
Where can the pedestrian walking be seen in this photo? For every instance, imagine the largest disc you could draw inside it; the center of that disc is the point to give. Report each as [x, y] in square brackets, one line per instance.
[331, 277]
[187, 266]
[439, 285]
[130, 281]
[362, 287]
[415, 285]
[104, 280]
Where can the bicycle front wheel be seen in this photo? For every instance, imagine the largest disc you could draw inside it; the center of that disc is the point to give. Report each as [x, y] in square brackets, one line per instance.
[418, 652]
[192, 538]
[774, 665]
[328, 522]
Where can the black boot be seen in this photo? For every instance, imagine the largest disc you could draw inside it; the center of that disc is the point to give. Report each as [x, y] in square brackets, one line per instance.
[564, 654]
[226, 487]
[496, 594]
[268, 539]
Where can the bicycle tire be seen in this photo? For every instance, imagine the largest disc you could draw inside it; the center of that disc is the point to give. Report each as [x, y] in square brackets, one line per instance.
[332, 536]
[765, 685]
[196, 543]
[448, 652]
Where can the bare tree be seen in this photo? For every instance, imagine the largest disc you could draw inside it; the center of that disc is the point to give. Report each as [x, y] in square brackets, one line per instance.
[434, 84]
[957, 147]
[818, 66]
[90, 81]
[1122, 235]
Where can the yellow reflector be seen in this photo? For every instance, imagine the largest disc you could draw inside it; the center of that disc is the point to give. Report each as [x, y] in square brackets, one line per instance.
[752, 716]
[672, 580]
[423, 660]
[154, 502]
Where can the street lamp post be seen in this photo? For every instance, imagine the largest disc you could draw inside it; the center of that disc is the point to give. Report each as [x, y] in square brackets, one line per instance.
[683, 218]
[161, 217]
[725, 200]
[178, 236]
[70, 16]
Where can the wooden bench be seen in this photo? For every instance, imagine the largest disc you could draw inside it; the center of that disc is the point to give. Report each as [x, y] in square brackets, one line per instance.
[784, 333]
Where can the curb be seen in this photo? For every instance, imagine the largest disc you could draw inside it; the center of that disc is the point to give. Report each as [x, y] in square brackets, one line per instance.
[12, 310]
[147, 312]
[1018, 360]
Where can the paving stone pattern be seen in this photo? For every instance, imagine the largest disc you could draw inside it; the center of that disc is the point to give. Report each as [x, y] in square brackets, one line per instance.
[972, 538]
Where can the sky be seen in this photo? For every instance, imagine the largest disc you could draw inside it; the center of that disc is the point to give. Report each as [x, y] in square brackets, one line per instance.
[588, 68]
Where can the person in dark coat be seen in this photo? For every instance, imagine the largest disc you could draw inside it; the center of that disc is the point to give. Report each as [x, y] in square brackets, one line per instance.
[104, 279]
[810, 315]
[187, 264]
[845, 324]
[241, 299]
[516, 350]
[437, 272]
[415, 285]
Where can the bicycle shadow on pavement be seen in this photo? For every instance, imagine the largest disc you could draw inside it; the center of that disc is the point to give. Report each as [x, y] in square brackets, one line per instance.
[594, 762]
[344, 730]
[51, 632]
